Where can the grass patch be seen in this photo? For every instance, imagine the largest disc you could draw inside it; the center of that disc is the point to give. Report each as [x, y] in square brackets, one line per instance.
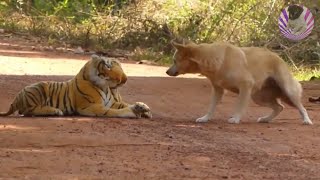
[155, 56]
[305, 73]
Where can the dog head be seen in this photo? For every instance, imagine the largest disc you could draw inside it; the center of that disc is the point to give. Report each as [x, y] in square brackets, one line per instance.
[183, 59]
[295, 11]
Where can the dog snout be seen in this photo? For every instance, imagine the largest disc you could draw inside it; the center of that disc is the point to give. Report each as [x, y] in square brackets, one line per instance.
[171, 73]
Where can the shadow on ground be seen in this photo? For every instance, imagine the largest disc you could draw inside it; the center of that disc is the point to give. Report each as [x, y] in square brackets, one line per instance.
[170, 145]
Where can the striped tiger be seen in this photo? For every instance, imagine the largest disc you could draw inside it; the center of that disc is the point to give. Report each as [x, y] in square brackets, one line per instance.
[92, 92]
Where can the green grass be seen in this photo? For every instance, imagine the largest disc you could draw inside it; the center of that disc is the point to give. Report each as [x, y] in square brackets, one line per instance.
[305, 73]
[158, 57]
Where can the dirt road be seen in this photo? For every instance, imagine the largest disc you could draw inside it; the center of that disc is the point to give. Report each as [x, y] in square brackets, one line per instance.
[170, 146]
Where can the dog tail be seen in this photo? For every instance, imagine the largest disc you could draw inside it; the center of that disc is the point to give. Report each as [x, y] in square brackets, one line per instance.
[290, 87]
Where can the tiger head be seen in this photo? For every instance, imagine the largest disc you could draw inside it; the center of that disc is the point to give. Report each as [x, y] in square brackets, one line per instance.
[104, 72]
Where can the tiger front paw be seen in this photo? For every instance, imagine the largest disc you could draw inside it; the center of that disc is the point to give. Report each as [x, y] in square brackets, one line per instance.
[141, 110]
[58, 112]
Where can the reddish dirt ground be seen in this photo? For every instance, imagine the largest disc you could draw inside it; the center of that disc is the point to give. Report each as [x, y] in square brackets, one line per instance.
[169, 146]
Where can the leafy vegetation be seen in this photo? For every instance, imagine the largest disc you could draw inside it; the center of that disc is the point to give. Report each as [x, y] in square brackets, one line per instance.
[147, 26]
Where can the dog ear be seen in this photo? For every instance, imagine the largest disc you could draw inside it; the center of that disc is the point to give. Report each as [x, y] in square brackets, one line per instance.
[196, 60]
[178, 40]
[183, 44]
[187, 41]
[182, 40]
[178, 46]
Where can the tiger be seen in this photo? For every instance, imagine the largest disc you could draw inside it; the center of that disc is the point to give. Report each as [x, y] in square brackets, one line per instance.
[92, 92]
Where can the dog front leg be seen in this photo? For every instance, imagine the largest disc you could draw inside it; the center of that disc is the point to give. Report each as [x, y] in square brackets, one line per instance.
[217, 94]
[242, 103]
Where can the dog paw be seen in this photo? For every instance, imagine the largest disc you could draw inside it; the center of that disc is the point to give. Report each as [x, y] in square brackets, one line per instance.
[263, 120]
[203, 119]
[307, 122]
[234, 120]
[141, 110]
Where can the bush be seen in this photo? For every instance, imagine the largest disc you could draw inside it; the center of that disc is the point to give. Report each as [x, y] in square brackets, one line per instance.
[144, 24]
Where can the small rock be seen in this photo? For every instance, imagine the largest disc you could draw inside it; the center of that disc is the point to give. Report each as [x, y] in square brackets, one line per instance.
[48, 48]
[91, 52]
[146, 62]
[60, 49]
[237, 176]
[2, 31]
[314, 99]
[313, 78]
[79, 50]
[261, 167]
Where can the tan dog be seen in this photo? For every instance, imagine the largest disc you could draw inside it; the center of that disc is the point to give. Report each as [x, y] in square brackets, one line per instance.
[251, 72]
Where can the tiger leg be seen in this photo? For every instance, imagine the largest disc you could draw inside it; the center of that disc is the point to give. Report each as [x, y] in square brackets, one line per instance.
[44, 110]
[119, 105]
[133, 111]
[117, 97]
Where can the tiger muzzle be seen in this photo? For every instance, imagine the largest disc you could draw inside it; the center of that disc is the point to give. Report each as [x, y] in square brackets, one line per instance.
[123, 79]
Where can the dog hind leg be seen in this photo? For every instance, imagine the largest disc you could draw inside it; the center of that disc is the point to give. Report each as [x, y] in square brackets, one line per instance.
[292, 95]
[294, 99]
[269, 96]
[276, 107]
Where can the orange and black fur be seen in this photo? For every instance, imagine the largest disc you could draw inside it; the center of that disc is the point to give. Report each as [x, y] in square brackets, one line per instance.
[92, 92]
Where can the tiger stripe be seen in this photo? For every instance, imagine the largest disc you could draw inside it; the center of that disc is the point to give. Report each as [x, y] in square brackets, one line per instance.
[92, 92]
